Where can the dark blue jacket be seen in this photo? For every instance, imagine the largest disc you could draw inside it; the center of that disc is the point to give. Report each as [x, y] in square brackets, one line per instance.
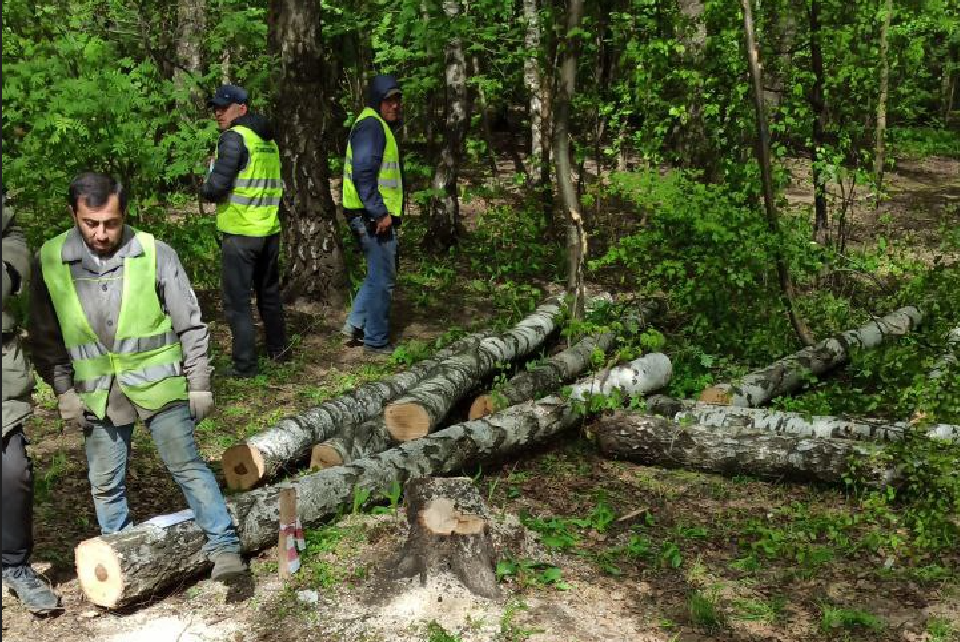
[367, 142]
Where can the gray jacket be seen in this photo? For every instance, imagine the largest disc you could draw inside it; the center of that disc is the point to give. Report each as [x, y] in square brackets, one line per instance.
[17, 377]
[99, 285]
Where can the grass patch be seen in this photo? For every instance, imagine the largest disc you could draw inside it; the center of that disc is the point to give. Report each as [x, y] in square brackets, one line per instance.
[834, 617]
[704, 612]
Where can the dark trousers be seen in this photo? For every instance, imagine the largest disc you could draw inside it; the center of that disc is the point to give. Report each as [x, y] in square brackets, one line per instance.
[252, 263]
[17, 510]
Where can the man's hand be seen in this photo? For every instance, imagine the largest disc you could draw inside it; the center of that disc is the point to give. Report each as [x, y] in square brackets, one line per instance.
[71, 410]
[201, 404]
[383, 224]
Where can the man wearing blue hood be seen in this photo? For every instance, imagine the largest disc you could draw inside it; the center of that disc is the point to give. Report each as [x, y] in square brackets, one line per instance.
[245, 183]
[373, 203]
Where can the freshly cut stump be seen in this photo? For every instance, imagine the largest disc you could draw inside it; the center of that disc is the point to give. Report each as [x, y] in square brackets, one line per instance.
[449, 528]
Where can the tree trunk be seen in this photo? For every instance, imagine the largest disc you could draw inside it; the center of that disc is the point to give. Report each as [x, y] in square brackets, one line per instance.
[818, 103]
[558, 369]
[878, 157]
[449, 529]
[444, 207]
[533, 81]
[424, 406]
[685, 412]
[661, 442]
[646, 374]
[191, 27]
[789, 373]
[576, 235]
[766, 171]
[485, 120]
[284, 445]
[135, 564]
[315, 266]
[369, 438]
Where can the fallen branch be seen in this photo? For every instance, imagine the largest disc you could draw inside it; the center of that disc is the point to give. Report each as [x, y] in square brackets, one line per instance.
[789, 373]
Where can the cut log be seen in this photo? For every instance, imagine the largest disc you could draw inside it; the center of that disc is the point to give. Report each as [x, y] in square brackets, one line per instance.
[558, 369]
[449, 529]
[425, 405]
[949, 357]
[789, 373]
[646, 374]
[133, 565]
[289, 441]
[369, 438]
[661, 442]
[686, 412]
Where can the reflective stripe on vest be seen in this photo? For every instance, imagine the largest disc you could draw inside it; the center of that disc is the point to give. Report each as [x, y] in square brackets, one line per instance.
[389, 180]
[253, 206]
[147, 359]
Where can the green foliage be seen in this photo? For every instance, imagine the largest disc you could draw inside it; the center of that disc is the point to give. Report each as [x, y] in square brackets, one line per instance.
[436, 633]
[834, 617]
[704, 611]
[530, 573]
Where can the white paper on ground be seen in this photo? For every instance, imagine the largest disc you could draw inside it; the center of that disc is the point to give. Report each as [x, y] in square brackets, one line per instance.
[163, 521]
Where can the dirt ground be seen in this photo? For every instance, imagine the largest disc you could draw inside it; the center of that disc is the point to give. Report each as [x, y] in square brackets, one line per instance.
[676, 559]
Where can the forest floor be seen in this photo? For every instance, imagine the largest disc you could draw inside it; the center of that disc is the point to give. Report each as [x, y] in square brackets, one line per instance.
[615, 551]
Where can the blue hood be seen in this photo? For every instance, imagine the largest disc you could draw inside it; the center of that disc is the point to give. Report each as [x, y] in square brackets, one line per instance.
[379, 87]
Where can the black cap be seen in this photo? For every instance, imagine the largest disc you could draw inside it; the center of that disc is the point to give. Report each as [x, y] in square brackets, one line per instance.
[227, 95]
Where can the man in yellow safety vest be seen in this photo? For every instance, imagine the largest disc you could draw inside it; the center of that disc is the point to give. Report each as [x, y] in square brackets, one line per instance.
[245, 183]
[373, 203]
[117, 333]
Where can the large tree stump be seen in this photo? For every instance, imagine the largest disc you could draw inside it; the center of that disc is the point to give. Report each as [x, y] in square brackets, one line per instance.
[449, 528]
[789, 373]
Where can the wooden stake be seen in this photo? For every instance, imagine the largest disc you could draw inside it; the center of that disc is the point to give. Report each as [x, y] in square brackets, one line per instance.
[288, 516]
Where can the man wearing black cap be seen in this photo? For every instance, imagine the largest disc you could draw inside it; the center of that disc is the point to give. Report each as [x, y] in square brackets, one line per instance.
[373, 202]
[245, 183]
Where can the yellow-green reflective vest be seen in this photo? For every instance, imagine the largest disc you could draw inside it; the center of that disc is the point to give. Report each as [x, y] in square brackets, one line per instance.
[389, 180]
[253, 206]
[146, 356]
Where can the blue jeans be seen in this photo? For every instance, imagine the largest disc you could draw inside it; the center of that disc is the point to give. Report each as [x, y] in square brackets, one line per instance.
[108, 449]
[371, 306]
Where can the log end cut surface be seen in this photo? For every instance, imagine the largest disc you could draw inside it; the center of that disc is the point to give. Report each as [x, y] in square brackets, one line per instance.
[406, 421]
[324, 456]
[481, 407]
[242, 466]
[99, 572]
[719, 395]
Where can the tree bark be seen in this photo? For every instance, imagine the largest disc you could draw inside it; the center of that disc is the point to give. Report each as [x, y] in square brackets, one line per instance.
[422, 409]
[789, 373]
[485, 121]
[284, 445]
[449, 529]
[315, 267]
[369, 438]
[818, 103]
[532, 79]
[566, 87]
[135, 564]
[646, 374]
[766, 171]
[191, 27]
[661, 442]
[685, 412]
[558, 369]
[444, 207]
[878, 158]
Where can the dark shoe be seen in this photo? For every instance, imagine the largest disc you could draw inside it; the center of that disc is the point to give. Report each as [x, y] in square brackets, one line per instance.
[231, 372]
[386, 349]
[228, 566]
[35, 595]
[354, 336]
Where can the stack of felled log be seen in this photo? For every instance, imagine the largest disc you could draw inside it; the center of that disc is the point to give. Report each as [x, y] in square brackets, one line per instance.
[387, 432]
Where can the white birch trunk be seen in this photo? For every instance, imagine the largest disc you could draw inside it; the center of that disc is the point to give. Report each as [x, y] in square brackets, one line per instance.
[685, 412]
[660, 442]
[424, 406]
[289, 441]
[191, 26]
[789, 373]
[646, 374]
[532, 80]
[133, 565]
